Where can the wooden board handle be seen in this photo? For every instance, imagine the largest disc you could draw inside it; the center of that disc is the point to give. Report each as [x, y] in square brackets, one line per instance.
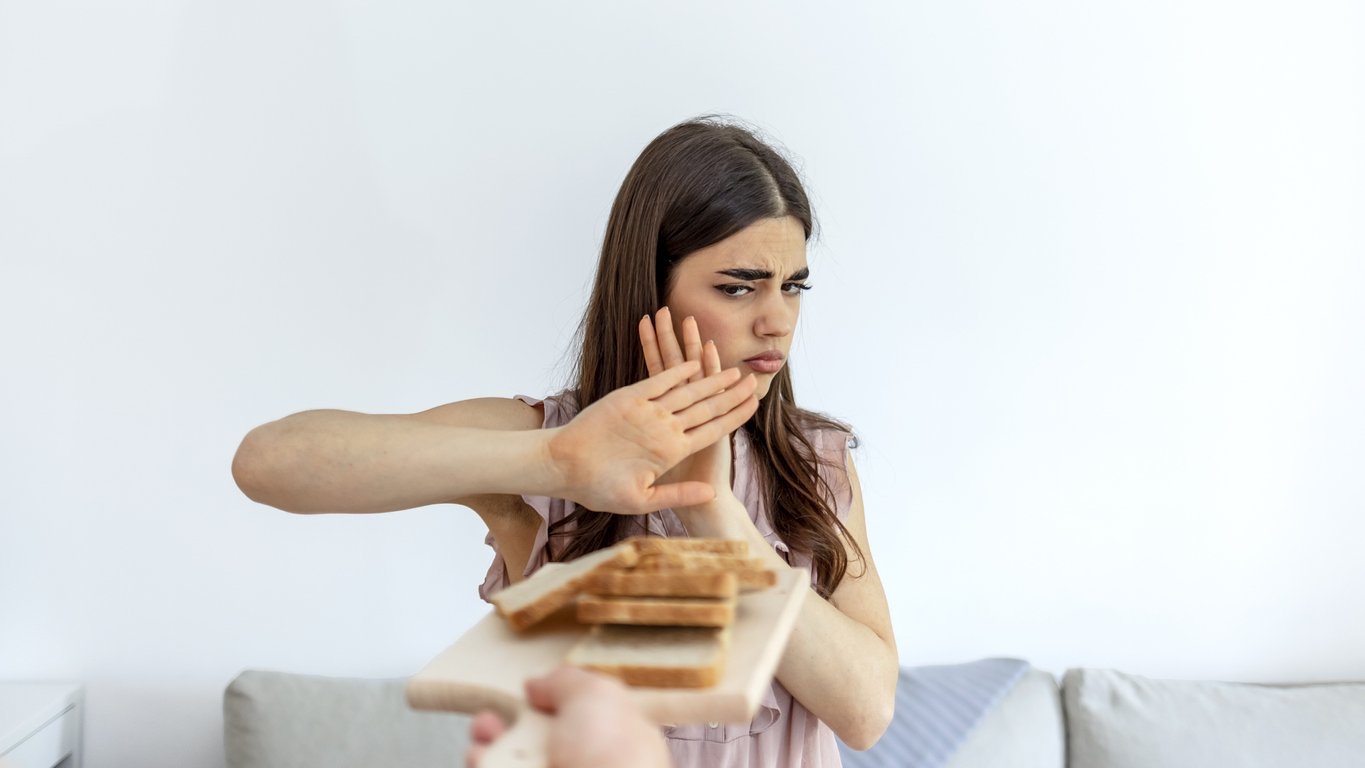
[524, 745]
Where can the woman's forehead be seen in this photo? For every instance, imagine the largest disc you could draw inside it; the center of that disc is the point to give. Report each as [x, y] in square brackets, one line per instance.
[777, 246]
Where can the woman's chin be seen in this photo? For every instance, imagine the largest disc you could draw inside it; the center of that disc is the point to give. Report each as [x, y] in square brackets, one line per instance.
[765, 385]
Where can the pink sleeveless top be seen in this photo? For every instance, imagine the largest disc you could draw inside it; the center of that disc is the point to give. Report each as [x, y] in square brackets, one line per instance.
[784, 734]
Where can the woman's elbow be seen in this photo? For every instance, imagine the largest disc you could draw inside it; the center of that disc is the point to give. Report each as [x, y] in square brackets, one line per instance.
[253, 467]
[872, 722]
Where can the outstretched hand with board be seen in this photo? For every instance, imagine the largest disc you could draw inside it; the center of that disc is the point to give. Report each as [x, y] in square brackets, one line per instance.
[487, 668]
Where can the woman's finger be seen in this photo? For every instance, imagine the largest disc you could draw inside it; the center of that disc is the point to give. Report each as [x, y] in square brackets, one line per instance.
[687, 395]
[710, 360]
[691, 343]
[688, 493]
[659, 384]
[709, 432]
[668, 340]
[718, 404]
[649, 342]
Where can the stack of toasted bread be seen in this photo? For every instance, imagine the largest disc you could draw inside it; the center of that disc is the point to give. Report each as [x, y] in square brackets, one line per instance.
[660, 608]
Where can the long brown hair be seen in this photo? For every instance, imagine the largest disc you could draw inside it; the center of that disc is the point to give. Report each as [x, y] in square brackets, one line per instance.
[694, 185]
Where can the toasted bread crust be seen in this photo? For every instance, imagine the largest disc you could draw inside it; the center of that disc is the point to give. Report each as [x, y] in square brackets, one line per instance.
[549, 603]
[656, 611]
[619, 583]
[752, 580]
[646, 545]
[546, 591]
[598, 651]
[660, 677]
[751, 572]
[696, 560]
[661, 608]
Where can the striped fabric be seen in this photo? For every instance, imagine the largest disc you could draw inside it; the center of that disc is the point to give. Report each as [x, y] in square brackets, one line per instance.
[936, 709]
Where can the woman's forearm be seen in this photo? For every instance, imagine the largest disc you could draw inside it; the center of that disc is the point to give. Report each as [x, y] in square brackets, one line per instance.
[339, 461]
[842, 671]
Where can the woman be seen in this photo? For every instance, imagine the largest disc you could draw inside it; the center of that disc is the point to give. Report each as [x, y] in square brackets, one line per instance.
[706, 242]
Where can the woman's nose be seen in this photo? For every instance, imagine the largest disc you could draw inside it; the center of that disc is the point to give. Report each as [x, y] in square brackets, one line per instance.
[776, 317]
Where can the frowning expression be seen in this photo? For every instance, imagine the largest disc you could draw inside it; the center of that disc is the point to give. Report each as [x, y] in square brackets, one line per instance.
[745, 294]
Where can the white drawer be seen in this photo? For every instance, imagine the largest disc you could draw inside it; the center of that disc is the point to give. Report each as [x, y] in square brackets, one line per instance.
[49, 745]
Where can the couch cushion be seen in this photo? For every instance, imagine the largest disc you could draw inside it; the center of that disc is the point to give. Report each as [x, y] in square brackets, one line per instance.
[1024, 730]
[942, 710]
[279, 720]
[1116, 720]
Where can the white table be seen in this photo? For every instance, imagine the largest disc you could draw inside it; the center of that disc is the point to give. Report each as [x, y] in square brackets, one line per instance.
[40, 725]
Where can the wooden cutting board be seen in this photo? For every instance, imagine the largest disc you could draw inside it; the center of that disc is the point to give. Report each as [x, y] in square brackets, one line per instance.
[488, 666]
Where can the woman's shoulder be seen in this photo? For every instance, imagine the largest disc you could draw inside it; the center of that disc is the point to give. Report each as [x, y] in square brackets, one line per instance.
[832, 441]
[506, 413]
[553, 410]
[827, 435]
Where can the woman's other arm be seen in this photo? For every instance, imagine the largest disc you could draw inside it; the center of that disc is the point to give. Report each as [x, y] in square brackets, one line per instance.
[841, 660]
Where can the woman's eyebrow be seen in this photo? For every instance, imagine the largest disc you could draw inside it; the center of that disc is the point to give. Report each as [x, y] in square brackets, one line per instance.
[762, 274]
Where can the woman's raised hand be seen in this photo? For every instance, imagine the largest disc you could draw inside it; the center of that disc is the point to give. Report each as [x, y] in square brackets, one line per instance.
[611, 456]
[663, 350]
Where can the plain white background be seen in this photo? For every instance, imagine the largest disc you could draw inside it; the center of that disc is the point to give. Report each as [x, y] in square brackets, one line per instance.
[1089, 283]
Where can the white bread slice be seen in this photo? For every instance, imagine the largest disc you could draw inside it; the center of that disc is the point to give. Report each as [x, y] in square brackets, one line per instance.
[657, 611]
[658, 657]
[548, 590]
[657, 544]
[656, 583]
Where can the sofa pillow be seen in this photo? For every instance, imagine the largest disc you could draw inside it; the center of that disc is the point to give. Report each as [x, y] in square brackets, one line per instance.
[1024, 731]
[279, 720]
[940, 708]
[1116, 720]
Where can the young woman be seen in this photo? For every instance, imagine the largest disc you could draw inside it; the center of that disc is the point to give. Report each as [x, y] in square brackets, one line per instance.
[681, 421]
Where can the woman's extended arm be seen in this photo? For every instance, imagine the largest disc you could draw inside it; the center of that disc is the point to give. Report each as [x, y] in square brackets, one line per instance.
[608, 457]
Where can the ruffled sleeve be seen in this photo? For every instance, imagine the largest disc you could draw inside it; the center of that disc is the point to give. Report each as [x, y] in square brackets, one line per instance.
[558, 410]
[832, 446]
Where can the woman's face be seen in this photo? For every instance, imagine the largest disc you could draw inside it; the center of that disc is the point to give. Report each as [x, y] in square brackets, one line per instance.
[745, 294]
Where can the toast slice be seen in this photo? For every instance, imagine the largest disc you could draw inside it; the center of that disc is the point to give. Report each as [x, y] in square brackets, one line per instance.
[658, 657]
[656, 583]
[751, 572]
[646, 545]
[547, 590]
[656, 611]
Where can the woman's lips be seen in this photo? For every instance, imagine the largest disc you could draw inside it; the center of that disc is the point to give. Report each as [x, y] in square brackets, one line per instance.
[768, 362]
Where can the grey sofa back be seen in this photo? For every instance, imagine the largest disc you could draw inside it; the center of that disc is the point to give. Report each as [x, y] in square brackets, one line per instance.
[280, 720]
[1116, 720]
[1094, 719]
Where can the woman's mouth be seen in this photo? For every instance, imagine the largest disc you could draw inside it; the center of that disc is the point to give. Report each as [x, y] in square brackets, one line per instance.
[768, 362]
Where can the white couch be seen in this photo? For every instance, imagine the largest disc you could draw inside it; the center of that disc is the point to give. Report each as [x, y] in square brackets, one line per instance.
[1092, 719]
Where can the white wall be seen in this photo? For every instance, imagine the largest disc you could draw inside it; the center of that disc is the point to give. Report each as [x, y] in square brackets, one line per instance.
[1090, 285]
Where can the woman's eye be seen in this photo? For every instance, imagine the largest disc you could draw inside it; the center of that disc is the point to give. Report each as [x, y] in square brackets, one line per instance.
[795, 289]
[734, 290]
